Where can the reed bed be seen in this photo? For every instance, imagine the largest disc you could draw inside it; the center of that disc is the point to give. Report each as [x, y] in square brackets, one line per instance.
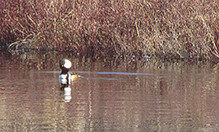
[178, 29]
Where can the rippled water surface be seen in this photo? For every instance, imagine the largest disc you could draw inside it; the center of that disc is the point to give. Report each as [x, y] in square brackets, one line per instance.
[109, 96]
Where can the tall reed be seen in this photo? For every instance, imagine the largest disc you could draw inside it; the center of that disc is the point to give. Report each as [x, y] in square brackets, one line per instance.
[99, 28]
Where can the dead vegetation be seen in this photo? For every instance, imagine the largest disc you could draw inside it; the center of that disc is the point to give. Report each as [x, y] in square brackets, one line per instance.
[98, 28]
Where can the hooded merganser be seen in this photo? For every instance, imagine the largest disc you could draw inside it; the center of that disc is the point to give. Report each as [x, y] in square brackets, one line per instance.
[65, 77]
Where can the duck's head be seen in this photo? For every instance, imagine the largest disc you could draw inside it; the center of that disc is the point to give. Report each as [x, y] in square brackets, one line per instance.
[65, 65]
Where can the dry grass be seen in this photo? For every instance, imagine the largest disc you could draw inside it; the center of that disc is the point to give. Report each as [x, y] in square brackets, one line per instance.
[99, 28]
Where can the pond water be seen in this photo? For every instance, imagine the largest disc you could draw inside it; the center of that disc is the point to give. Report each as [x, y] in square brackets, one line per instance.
[109, 96]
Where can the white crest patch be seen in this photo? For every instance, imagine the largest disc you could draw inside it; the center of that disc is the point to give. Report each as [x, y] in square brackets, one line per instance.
[67, 64]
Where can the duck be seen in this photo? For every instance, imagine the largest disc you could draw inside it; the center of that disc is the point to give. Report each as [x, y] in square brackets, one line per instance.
[66, 78]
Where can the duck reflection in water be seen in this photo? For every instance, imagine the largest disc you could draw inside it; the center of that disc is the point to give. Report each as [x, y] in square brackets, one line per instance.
[65, 78]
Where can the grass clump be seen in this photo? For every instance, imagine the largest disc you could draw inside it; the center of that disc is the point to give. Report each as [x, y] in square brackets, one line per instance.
[98, 28]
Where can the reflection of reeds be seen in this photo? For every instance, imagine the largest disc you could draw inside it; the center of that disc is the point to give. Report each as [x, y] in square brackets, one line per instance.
[177, 97]
[166, 29]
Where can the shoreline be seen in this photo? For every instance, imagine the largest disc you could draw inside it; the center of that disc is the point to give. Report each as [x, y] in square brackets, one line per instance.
[131, 57]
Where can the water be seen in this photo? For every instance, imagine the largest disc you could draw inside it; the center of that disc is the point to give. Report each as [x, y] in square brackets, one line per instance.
[110, 96]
